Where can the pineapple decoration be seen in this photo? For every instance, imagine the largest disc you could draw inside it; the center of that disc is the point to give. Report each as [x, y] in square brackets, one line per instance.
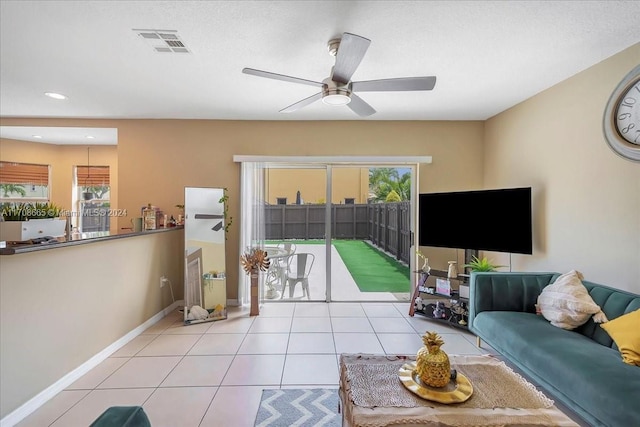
[432, 364]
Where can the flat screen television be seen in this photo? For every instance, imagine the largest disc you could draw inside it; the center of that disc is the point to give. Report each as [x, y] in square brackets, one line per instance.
[493, 220]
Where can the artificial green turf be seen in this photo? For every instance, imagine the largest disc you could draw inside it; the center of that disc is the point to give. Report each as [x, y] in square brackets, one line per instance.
[371, 269]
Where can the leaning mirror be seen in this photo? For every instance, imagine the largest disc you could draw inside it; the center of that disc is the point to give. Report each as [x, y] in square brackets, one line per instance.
[205, 293]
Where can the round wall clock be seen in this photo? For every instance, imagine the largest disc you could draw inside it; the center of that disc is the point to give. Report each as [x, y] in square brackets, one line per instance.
[621, 123]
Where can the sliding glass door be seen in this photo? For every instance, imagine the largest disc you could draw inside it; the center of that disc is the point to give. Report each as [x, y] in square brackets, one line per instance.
[328, 232]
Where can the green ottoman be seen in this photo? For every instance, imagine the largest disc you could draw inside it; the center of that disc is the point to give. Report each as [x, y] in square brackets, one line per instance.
[122, 416]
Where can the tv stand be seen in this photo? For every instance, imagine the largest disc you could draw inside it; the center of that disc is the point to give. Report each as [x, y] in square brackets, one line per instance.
[439, 303]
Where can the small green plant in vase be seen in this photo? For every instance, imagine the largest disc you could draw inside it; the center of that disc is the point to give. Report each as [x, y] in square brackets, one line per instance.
[483, 264]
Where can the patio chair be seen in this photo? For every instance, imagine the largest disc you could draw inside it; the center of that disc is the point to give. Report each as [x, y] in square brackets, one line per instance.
[298, 269]
[289, 247]
[279, 264]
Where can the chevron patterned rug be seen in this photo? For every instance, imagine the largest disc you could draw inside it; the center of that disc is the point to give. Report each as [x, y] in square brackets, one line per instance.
[299, 407]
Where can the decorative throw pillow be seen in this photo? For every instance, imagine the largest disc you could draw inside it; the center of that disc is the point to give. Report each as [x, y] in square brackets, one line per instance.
[566, 303]
[625, 332]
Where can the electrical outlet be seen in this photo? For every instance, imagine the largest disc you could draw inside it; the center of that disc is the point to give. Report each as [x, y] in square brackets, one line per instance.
[163, 281]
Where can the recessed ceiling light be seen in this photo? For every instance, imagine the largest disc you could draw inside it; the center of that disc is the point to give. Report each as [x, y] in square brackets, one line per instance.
[55, 95]
[90, 137]
[37, 136]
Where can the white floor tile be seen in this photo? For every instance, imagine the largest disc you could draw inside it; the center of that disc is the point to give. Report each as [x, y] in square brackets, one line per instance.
[310, 343]
[422, 324]
[457, 344]
[181, 406]
[258, 369]
[53, 409]
[198, 371]
[380, 310]
[234, 406]
[311, 324]
[271, 324]
[346, 309]
[310, 369]
[141, 372]
[98, 401]
[264, 344]
[210, 344]
[235, 325]
[134, 346]
[401, 344]
[95, 376]
[181, 328]
[351, 324]
[391, 324]
[311, 309]
[357, 343]
[169, 345]
[277, 309]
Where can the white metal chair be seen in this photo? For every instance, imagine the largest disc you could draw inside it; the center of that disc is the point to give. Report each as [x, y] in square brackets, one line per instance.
[298, 269]
[278, 267]
[289, 247]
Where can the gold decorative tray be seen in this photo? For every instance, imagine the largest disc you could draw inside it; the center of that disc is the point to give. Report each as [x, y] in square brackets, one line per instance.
[455, 392]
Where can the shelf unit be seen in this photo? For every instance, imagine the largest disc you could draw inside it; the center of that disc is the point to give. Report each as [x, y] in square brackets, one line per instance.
[456, 308]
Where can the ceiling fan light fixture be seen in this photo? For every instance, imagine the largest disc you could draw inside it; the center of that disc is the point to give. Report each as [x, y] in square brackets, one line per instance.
[335, 93]
[336, 100]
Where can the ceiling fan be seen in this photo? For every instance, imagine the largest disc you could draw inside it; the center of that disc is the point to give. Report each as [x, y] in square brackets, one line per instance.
[338, 89]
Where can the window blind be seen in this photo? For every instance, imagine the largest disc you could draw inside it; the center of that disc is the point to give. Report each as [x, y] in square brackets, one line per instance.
[24, 173]
[92, 175]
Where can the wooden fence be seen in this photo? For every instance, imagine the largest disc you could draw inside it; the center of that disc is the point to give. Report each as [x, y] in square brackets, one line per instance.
[386, 225]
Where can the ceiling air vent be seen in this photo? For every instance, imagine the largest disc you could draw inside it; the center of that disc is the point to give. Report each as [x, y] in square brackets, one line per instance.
[163, 41]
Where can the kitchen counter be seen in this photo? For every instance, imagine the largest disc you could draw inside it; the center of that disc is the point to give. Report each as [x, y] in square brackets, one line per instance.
[26, 248]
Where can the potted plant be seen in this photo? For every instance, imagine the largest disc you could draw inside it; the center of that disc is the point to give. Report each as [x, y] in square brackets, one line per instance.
[483, 264]
[25, 221]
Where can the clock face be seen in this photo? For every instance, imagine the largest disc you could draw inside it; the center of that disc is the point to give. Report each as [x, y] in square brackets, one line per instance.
[627, 115]
[621, 120]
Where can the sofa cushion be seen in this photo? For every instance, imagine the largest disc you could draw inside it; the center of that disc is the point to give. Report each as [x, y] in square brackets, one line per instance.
[566, 303]
[571, 366]
[614, 303]
[625, 331]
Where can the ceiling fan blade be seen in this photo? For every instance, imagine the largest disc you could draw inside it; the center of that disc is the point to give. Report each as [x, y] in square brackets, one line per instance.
[282, 77]
[400, 84]
[350, 53]
[360, 107]
[298, 105]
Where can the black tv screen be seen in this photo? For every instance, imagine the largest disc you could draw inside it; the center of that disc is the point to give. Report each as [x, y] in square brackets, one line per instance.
[492, 220]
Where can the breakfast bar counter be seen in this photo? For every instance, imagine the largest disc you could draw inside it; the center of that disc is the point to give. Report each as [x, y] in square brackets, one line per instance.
[101, 237]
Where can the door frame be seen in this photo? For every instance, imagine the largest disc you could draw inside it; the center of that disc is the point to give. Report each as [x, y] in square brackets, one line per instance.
[328, 161]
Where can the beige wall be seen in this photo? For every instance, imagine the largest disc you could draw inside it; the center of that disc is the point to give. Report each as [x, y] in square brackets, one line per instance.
[586, 199]
[347, 183]
[63, 158]
[62, 306]
[158, 158]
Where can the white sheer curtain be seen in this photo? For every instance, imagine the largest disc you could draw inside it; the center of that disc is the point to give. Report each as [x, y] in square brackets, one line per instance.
[252, 230]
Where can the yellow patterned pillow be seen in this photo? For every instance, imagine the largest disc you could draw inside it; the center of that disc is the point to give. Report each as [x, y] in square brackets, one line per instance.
[625, 332]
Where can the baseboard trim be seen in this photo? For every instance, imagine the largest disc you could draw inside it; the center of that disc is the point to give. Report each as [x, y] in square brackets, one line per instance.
[45, 395]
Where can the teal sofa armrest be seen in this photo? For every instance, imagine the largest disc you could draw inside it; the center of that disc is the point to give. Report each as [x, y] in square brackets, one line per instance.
[497, 291]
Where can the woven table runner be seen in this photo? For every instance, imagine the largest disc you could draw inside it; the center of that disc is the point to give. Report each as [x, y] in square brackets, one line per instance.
[495, 385]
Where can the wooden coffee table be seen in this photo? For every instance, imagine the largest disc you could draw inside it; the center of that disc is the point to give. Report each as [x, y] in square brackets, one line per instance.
[372, 395]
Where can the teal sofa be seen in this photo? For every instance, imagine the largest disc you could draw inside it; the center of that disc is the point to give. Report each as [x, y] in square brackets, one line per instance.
[581, 368]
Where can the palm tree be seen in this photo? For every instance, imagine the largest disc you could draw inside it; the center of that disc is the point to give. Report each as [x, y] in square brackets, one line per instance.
[12, 188]
[383, 181]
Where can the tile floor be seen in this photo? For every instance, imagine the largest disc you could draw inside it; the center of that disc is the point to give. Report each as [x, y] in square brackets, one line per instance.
[212, 374]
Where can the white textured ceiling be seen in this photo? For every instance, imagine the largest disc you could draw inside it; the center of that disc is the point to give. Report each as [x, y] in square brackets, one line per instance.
[487, 55]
